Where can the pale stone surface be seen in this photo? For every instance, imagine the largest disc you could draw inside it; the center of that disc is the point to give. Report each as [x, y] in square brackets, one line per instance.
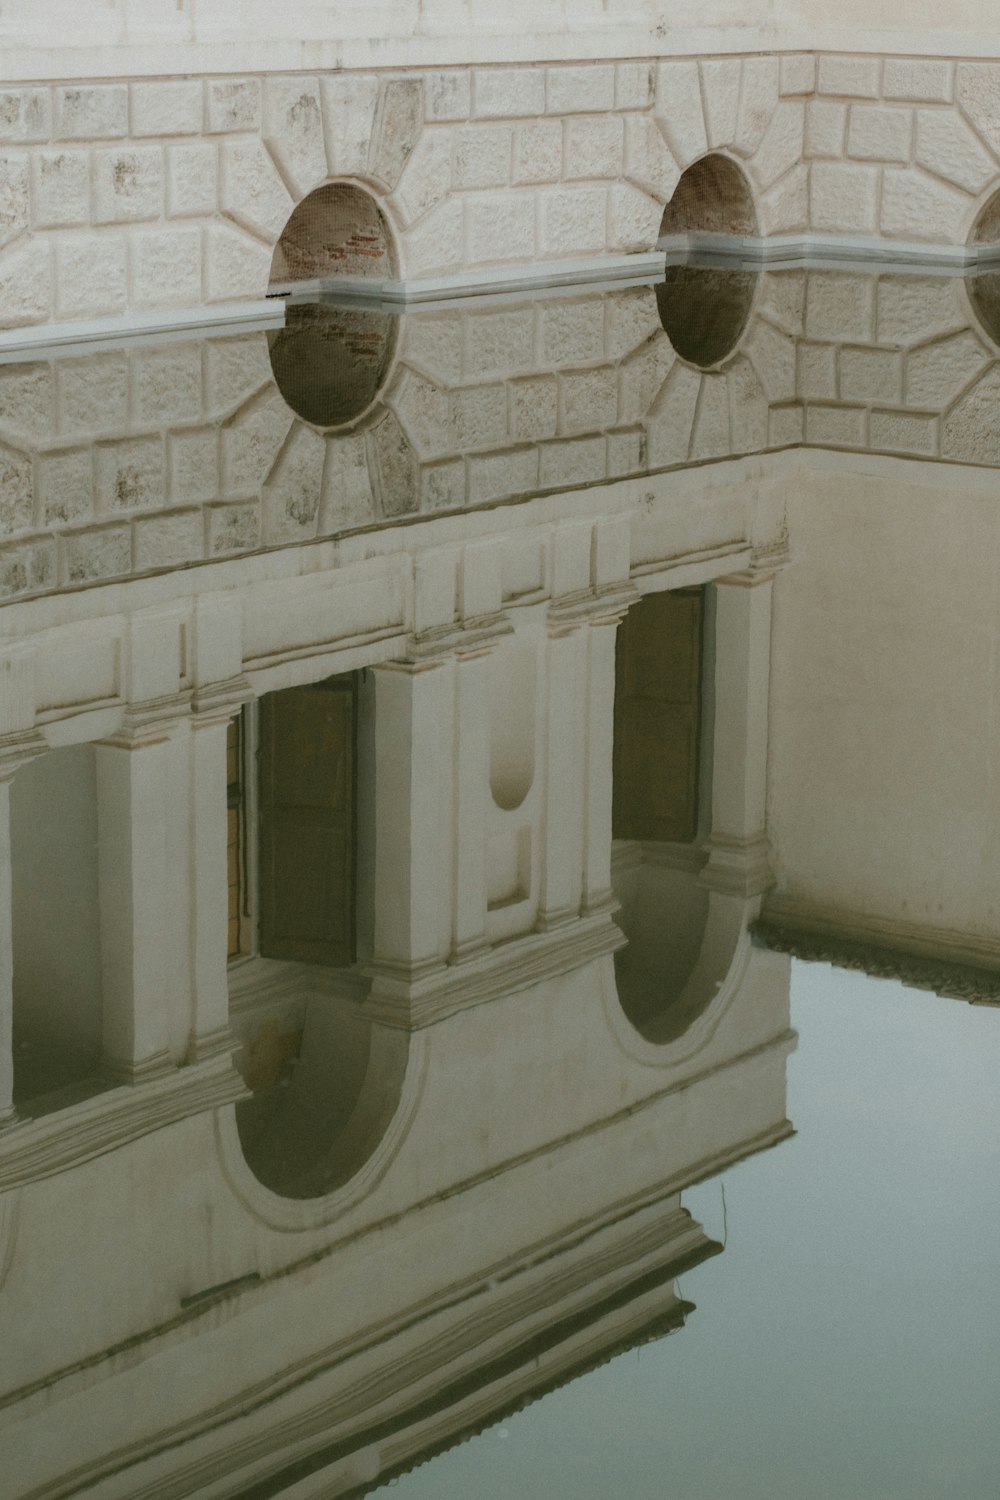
[442, 486]
[835, 426]
[781, 146]
[501, 476]
[649, 161]
[784, 208]
[166, 267]
[668, 430]
[879, 132]
[642, 377]
[193, 465]
[912, 309]
[235, 265]
[816, 366]
[588, 400]
[424, 413]
[25, 115]
[574, 461]
[166, 384]
[348, 499]
[938, 373]
[635, 85]
[573, 221]
[679, 110]
[586, 90]
[533, 408]
[971, 432]
[233, 104]
[291, 497]
[130, 474]
[91, 111]
[634, 219]
[192, 175]
[25, 286]
[977, 90]
[103, 553]
[252, 190]
[483, 156]
[233, 528]
[871, 375]
[91, 275]
[772, 355]
[508, 92]
[14, 196]
[840, 307]
[168, 541]
[786, 426]
[427, 176]
[710, 434]
[348, 118]
[721, 92]
[128, 184]
[798, 73]
[947, 147]
[394, 468]
[293, 130]
[27, 403]
[922, 79]
[60, 188]
[843, 198]
[758, 100]
[477, 418]
[594, 147]
[234, 369]
[903, 432]
[437, 244]
[251, 440]
[748, 408]
[631, 318]
[448, 95]
[500, 228]
[174, 107]
[917, 207]
[856, 77]
[626, 452]
[433, 344]
[498, 342]
[826, 128]
[538, 151]
[65, 486]
[17, 496]
[93, 394]
[782, 299]
[27, 568]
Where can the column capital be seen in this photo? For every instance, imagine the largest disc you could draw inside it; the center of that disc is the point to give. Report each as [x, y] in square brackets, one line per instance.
[737, 866]
[473, 637]
[218, 702]
[150, 722]
[602, 606]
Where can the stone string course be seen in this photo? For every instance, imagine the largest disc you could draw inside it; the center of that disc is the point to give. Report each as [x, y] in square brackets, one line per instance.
[120, 197]
[134, 460]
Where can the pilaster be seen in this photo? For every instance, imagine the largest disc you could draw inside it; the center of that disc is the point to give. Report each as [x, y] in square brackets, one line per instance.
[15, 751]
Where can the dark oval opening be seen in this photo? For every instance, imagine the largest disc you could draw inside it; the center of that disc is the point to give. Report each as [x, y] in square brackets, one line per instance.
[336, 231]
[329, 363]
[705, 310]
[712, 197]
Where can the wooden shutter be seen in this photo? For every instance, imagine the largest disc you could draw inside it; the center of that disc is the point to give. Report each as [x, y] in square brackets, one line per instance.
[307, 822]
[657, 718]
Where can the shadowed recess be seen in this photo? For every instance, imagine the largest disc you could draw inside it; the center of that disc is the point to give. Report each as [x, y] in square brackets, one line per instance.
[712, 197]
[338, 230]
[705, 310]
[329, 363]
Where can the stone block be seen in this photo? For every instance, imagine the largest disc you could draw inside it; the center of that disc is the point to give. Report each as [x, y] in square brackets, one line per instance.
[17, 492]
[92, 394]
[15, 196]
[65, 486]
[937, 374]
[232, 104]
[482, 155]
[748, 407]
[426, 178]
[758, 101]
[840, 307]
[348, 498]
[584, 90]
[25, 116]
[442, 486]
[166, 267]
[448, 95]
[572, 558]
[294, 487]
[574, 221]
[903, 432]
[192, 178]
[913, 309]
[626, 453]
[816, 372]
[505, 93]
[782, 299]
[424, 413]
[594, 147]
[781, 146]
[478, 417]
[871, 375]
[948, 148]
[394, 469]
[104, 552]
[635, 85]
[649, 162]
[511, 474]
[167, 107]
[436, 245]
[772, 354]
[91, 111]
[252, 190]
[826, 128]
[970, 432]
[193, 465]
[668, 428]
[851, 77]
[293, 130]
[720, 86]
[977, 90]
[27, 403]
[538, 151]
[432, 342]
[235, 368]
[835, 426]
[917, 207]
[349, 102]
[843, 198]
[710, 432]
[169, 541]
[798, 73]
[166, 384]
[128, 184]
[786, 426]
[588, 400]
[923, 80]
[499, 228]
[251, 442]
[632, 318]
[233, 528]
[130, 474]
[533, 408]
[571, 462]
[91, 275]
[679, 110]
[27, 568]
[399, 117]
[236, 267]
[498, 342]
[879, 132]
[641, 378]
[784, 208]
[60, 188]
[572, 333]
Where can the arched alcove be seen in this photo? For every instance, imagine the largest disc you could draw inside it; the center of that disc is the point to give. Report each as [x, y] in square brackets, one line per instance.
[338, 230]
[713, 197]
[983, 286]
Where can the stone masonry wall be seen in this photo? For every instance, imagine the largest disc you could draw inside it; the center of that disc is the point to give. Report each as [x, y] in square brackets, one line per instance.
[152, 195]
